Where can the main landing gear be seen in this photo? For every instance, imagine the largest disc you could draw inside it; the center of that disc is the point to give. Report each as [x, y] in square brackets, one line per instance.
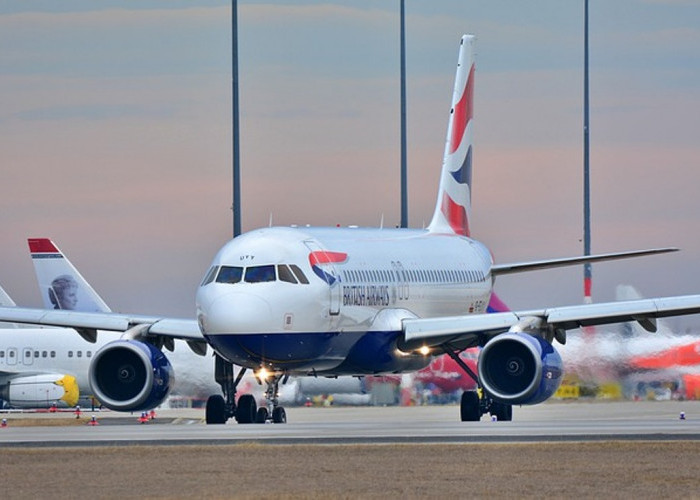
[474, 404]
[221, 408]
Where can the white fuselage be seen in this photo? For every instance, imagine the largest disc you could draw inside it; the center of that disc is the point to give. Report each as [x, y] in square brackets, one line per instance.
[345, 318]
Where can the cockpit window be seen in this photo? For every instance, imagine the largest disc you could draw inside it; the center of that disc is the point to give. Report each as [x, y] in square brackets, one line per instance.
[259, 274]
[299, 274]
[285, 274]
[210, 276]
[229, 274]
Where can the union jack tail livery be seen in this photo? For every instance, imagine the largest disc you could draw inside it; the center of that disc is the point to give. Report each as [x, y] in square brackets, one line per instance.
[454, 195]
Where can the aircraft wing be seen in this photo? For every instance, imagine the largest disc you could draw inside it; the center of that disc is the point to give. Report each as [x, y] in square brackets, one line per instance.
[476, 329]
[519, 267]
[185, 329]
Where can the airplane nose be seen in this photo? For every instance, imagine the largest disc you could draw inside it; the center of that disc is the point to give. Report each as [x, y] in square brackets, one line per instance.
[237, 313]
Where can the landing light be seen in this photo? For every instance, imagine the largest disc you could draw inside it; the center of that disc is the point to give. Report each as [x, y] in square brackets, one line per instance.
[425, 350]
[262, 374]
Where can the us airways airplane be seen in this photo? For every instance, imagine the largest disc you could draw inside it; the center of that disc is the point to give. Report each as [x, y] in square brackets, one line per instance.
[351, 301]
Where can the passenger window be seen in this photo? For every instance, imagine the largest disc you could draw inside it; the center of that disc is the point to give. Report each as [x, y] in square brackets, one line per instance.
[229, 274]
[44, 354]
[53, 354]
[259, 274]
[2, 354]
[210, 276]
[285, 274]
[11, 354]
[27, 354]
[70, 354]
[299, 274]
[36, 354]
[88, 354]
[80, 354]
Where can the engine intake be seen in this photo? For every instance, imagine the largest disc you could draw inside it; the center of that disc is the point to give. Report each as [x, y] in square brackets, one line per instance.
[128, 375]
[520, 369]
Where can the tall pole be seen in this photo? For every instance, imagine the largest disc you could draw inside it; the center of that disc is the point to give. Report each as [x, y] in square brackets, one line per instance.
[236, 207]
[404, 174]
[587, 268]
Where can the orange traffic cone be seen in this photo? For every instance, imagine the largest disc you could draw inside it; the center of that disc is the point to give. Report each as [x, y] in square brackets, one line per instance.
[3, 423]
[143, 418]
[93, 421]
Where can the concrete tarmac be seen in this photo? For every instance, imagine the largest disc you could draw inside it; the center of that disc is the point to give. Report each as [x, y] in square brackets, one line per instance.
[554, 421]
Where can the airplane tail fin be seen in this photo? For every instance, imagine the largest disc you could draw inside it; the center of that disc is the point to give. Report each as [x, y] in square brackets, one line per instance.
[61, 285]
[5, 299]
[453, 206]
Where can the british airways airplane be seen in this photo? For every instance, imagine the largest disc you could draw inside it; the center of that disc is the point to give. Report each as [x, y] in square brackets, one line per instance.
[327, 302]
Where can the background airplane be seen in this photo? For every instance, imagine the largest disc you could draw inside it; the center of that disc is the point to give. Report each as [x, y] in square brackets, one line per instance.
[624, 361]
[43, 366]
[350, 301]
[32, 366]
[196, 373]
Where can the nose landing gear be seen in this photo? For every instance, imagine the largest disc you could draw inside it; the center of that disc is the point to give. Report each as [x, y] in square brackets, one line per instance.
[272, 411]
[221, 408]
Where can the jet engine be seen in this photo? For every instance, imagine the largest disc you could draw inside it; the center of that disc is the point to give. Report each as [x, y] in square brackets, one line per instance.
[129, 375]
[519, 369]
[40, 391]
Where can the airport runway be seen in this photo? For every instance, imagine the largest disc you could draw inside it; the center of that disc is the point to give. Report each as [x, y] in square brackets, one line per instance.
[364, 425]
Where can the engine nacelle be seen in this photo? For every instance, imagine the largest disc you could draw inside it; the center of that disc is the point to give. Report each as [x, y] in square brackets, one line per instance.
[520, 369]
[128, 375]
[41, 391]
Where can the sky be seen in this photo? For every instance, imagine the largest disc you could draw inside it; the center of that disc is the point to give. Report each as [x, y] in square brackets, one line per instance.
[115, 134]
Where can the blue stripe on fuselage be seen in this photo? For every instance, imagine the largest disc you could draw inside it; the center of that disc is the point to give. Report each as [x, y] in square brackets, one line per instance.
[326, 353]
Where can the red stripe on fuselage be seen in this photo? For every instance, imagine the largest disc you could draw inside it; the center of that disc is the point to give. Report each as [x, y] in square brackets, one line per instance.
[463, 113]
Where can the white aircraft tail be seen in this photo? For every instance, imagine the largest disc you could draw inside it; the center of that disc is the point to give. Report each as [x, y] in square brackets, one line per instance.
[5, 299]
[453, 206]
[60, 283]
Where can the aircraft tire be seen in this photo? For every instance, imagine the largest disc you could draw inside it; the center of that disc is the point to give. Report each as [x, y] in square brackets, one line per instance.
[246, 409]
[261, 415]
[469, 409]
[216, 410]
[502, 412]
[279, 415]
